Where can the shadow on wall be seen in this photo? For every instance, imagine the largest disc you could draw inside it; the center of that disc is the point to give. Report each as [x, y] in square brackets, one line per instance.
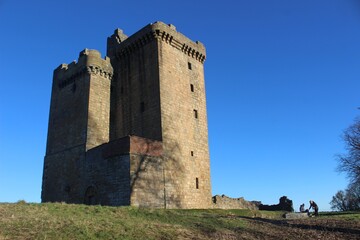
[155, 178]
[151, 173]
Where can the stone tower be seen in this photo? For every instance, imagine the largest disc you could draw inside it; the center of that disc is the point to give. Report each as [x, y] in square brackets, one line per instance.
[78, 121]
[131, 129]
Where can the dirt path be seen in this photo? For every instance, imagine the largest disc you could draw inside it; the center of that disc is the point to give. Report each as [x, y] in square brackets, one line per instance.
[314, 228]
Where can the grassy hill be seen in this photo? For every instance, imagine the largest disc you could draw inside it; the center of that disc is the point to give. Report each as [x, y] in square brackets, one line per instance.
[67, 221]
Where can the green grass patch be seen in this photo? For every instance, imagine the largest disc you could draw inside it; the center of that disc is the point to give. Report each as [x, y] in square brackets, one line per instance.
[350, 215]
[69, 221]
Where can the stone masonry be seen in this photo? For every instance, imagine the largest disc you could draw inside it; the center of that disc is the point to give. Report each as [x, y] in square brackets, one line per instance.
[131, 129]
[225, 202]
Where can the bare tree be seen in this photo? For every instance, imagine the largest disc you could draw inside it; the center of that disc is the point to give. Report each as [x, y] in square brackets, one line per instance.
[350, 162]
[348, 200]
[353, 196]
[338, 201]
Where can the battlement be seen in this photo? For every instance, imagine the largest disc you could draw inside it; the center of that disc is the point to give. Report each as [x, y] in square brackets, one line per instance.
[157, 30]
[89, 61]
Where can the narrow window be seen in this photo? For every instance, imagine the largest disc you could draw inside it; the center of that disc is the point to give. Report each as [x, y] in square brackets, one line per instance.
[142, 106]
[192, 87]
[192, 153]
[121, 90]
[197, 183]
[195, 113]
[189, 66]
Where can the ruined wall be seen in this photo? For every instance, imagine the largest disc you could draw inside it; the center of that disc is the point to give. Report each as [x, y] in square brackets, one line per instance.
[284, 204]
[224, 202]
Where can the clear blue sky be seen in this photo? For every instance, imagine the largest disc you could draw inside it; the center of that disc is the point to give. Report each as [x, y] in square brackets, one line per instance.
[282, 80]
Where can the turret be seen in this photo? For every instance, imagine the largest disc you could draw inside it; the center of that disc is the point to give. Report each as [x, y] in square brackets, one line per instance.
[79, 121]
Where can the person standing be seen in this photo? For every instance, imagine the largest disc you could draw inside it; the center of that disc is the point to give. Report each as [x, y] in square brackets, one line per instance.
[315, 207]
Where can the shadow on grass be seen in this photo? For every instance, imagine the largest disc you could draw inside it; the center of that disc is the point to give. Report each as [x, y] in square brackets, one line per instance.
[317, 227]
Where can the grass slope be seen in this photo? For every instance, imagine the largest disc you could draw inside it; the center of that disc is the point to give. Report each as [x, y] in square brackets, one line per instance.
[68, 221]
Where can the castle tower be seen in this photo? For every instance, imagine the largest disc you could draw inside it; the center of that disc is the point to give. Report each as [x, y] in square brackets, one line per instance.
[159, 93]
[78, 121]
[131, 129]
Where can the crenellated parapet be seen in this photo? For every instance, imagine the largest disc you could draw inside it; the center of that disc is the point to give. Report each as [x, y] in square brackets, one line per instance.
[168, 34]
[89, 62]
[160, 31]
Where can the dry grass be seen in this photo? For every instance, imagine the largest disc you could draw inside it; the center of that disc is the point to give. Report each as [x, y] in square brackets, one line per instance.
[68, 221]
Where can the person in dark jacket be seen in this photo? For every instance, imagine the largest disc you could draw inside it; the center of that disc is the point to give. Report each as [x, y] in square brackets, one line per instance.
[302, 208]
[314, 206]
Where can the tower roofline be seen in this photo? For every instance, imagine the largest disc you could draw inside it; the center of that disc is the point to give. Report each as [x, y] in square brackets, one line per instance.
[89, 61]
[164, 32]
[86, 57]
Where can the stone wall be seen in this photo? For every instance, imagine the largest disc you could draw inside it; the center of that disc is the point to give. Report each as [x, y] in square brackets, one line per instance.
[183, 116]
[159, 93]
[284, 204]
[79, 111]
[108, 176]
[98, 118]
[151, 86]
[63, 176]
[135, 97]
[79, 120]
[224, 202]
[126, 171]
